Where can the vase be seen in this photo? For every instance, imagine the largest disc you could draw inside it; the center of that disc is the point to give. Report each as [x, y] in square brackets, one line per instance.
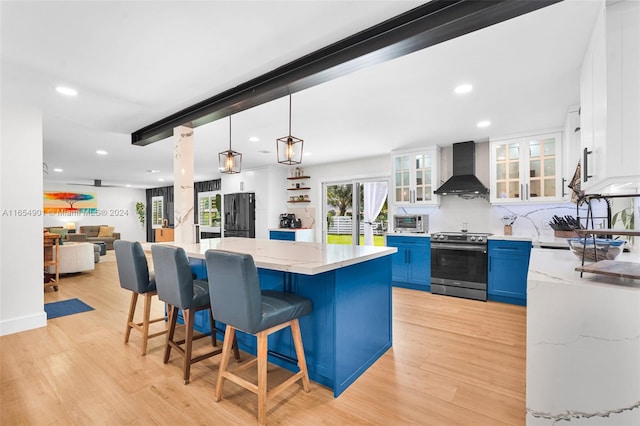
[508, 229]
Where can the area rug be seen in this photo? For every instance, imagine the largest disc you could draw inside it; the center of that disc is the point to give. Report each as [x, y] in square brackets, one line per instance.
[65, 307]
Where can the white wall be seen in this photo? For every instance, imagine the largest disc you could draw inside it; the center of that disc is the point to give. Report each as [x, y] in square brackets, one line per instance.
[278, 196]
[21, 254]
[116, 207]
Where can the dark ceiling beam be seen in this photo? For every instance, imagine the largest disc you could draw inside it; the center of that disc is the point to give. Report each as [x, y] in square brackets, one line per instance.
[417, 29]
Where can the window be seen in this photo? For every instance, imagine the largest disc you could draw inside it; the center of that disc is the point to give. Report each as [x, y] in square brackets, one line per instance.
[157, 211]
[209, 211]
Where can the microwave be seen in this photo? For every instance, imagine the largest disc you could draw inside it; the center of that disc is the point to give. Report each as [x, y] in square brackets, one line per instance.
[411, 223]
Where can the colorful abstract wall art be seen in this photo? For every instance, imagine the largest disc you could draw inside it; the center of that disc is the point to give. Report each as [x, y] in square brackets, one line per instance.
[70, 203]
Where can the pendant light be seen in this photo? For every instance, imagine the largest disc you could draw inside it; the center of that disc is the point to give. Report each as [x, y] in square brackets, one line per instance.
[230, 161]
[289, 147]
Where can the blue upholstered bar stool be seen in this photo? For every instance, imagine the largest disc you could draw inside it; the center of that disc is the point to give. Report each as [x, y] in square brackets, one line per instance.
[237, 301]
[178, 289]
[133, 272]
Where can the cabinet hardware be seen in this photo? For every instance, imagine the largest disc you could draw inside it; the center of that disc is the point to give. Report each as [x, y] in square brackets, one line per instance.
[585, 154]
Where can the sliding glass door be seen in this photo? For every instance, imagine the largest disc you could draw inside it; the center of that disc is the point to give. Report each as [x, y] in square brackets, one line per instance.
[338, 211]
[355, 212]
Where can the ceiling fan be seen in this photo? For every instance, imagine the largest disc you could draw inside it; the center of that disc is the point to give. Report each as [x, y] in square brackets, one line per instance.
[97, 183]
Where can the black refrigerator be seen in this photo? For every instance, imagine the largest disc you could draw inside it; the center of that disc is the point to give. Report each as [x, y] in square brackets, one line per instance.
[240, 215]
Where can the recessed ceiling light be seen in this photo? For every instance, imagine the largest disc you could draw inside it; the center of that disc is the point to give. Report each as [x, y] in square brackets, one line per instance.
[254, 139]
[485, 123]
[463, 88]
[306, 154]
[58, 170]
[101, 152]
[161, 180]
[66, 91]
[128, 185]
[152, 171]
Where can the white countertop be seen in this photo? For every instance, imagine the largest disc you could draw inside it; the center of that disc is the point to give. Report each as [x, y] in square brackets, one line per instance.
[289, 256]
[583, 343]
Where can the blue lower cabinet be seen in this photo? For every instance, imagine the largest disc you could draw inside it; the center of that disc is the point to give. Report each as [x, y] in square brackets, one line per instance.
[411, 265]
[282, 235]
[508, 271]
[349, 328]
[199, 268]
[201, 322]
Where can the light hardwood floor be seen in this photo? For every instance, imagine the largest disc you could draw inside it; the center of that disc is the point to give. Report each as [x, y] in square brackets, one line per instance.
[453, 362]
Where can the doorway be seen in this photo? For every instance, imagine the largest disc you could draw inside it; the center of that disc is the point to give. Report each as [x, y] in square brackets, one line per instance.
[355, 212]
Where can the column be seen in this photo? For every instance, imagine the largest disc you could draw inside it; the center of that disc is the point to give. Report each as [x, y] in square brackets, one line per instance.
[183, 185]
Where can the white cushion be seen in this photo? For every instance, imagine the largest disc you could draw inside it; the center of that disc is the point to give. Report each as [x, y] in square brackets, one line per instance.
[75, 257]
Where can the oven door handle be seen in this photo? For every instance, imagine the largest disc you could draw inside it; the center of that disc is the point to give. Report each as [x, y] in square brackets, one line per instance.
[462, 247]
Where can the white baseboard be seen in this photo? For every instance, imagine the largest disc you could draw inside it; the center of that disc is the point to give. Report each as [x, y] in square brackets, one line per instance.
[16, 325]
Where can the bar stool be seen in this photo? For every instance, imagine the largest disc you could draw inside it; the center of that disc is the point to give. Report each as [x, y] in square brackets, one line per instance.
[178, 289]
[234, 288]
[133, 272]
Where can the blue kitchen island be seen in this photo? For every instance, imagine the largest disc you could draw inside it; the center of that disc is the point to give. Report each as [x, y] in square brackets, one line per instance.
[350, 287]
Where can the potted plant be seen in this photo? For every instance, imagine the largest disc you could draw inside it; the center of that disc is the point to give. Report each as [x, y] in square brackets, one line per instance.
[625, 216]
[141, 212]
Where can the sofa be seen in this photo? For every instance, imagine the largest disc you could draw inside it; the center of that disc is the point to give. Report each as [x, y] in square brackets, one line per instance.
[92, 233]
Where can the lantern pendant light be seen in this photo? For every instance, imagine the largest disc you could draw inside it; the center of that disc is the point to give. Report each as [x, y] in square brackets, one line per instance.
[230, 161]
[289, 147]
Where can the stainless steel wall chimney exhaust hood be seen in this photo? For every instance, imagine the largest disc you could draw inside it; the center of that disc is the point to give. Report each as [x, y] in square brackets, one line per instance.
[464, 181]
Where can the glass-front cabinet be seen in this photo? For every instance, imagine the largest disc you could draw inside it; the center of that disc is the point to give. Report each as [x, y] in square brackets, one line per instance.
[526, 169]
[415, 176]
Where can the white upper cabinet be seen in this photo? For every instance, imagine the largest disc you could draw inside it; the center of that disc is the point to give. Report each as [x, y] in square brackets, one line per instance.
[415, 176]
[526, 169]
[571, 154]
[610, 100]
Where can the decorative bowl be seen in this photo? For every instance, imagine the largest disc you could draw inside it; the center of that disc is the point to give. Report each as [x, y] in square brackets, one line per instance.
[605, 249]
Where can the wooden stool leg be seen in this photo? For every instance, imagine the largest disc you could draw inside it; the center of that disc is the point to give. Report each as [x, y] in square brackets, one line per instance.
[145, 322]
[236, 351]
[262, 377]
[173, 316]
[212, 321]
[302, 361]
[132, 311]
[229, 337]
[189, 317]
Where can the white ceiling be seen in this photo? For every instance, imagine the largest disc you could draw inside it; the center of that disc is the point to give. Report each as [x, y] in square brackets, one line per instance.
[134, 63]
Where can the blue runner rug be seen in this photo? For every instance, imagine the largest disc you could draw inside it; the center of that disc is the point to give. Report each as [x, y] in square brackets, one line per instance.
[65, 307]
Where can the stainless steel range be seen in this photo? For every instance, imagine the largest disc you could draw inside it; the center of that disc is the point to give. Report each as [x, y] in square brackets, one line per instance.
[459, 264]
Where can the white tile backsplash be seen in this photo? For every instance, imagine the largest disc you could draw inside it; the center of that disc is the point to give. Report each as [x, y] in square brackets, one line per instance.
[532, 219]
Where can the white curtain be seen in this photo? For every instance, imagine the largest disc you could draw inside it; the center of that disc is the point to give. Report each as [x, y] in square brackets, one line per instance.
[375, 193]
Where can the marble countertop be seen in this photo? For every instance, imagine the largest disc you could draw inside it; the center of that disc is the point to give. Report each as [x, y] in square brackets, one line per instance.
[290, 229]
[583, 343]
[555, 242]
[289, 256]
[407, 234]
